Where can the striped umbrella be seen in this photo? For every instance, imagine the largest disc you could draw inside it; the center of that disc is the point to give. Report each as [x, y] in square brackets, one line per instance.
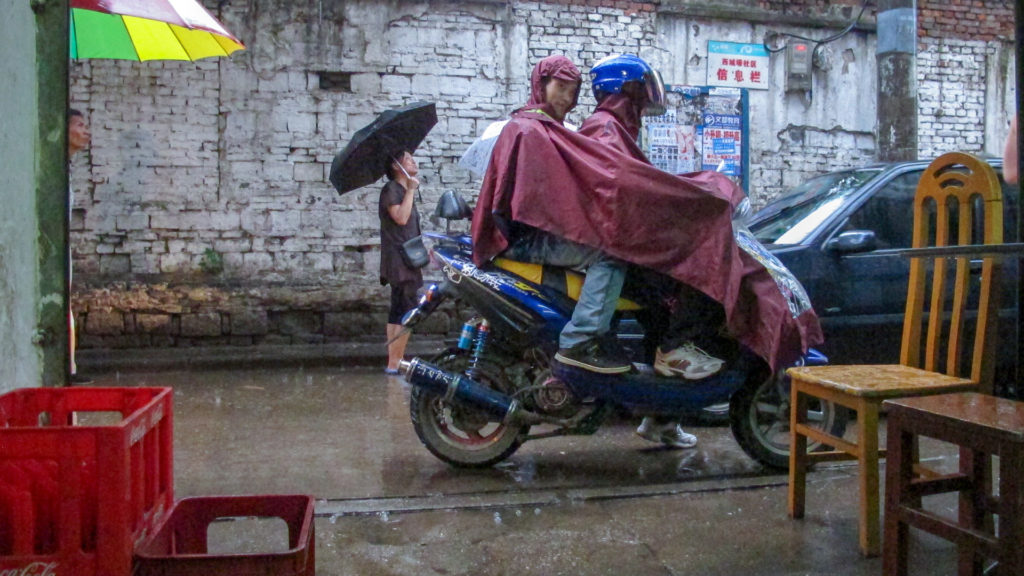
[147, 30]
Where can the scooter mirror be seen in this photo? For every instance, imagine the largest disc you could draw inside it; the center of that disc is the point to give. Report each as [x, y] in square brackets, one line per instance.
[451, 206]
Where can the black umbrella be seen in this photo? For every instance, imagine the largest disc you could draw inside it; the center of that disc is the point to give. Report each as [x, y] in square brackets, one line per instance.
[365, 159]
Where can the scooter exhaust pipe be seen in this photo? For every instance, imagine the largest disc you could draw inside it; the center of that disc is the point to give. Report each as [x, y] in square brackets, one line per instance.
[459, 389]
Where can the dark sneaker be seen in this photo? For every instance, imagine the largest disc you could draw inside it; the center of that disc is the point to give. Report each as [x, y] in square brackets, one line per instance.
[589, 356]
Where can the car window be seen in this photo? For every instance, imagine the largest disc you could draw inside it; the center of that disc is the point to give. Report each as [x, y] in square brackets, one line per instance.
[795, 215]
[889, 212]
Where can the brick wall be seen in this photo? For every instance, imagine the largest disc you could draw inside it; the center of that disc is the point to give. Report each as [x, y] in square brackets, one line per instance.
[983, 21]
[202, 211]
[965, 75]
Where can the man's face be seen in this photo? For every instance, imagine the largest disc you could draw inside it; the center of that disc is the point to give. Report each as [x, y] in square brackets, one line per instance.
[561, 94]
[78, 134]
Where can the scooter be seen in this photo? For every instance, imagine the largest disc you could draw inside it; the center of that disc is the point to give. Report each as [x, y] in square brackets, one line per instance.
[475, 403]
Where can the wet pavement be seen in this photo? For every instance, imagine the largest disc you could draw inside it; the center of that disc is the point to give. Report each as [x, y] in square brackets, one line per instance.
[610, 503]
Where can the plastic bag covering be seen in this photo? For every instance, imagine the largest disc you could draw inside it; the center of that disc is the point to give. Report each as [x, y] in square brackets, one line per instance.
[478, 155]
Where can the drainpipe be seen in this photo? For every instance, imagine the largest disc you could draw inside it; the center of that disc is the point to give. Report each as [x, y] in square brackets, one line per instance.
[52, 190]
[897, 80]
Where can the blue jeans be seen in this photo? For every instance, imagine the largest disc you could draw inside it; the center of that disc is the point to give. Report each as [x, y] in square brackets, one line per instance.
[599, 294]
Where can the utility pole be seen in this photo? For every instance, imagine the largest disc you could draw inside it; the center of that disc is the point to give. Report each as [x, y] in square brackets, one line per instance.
[897, 80]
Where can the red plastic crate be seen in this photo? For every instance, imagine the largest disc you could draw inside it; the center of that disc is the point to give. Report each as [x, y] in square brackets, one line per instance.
[179, 547]
[76, 499]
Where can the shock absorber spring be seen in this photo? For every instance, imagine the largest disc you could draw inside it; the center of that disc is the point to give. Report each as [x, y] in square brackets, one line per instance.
[480, 346]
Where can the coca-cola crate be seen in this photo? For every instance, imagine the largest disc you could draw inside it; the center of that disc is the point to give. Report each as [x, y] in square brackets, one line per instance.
[180, 545]
[85, 474]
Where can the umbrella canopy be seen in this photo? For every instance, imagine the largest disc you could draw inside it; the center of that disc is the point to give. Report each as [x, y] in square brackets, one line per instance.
[147, 30]
[365, 159]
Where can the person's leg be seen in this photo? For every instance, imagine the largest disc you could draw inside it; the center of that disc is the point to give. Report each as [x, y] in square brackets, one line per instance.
[396, 349]
[596, 305]
[403, 299]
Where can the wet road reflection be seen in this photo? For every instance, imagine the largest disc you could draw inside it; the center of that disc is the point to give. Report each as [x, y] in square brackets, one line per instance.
[346, 434]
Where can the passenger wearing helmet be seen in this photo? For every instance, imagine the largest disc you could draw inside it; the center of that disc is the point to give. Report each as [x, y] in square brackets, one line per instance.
[554, 91]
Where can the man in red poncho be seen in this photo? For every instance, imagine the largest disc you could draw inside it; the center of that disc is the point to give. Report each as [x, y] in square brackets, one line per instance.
[575, 187]
[626, 89]
[554, 91]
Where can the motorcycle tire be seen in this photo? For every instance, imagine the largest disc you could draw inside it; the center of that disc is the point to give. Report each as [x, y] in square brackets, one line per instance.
[464, 437]
[759, 417]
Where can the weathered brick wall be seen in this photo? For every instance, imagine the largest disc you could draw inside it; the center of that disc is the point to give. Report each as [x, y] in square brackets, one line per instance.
[204, 197]
[965, 75]
[203, 214]
[981, 20]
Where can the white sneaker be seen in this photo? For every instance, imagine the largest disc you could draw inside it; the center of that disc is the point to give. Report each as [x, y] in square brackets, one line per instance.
[670, 434]
[687, 361]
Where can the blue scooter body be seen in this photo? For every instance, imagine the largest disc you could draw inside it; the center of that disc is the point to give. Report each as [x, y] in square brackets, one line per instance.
[530, 312]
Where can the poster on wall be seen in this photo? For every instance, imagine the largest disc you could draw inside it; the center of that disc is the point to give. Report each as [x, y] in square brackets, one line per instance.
[703, 128]
[737, 65]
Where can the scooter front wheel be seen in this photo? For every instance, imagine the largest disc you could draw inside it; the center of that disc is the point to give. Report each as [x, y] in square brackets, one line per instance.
[464, 437]
[759, 417]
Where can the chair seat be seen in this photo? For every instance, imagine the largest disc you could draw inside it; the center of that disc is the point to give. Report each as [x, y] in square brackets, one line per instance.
[880, 380]
[977, 415]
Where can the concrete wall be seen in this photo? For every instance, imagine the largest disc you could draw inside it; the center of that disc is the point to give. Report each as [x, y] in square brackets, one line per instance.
[793, 135]
[22, 361]
[203, 213]
[33, 222]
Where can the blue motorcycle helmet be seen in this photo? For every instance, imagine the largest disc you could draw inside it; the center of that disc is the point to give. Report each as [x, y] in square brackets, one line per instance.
[611, 73]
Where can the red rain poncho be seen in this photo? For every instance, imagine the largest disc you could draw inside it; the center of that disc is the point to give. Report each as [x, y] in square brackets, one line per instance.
[587, 190]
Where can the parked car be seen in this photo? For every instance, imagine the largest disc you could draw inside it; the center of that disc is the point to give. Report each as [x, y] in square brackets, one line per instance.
[835, 232]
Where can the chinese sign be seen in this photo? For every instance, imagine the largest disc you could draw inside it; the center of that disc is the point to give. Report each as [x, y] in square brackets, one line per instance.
[702, 129]
[737, 65]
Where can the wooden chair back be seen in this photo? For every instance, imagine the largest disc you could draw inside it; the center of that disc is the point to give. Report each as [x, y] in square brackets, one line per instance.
[958, 202]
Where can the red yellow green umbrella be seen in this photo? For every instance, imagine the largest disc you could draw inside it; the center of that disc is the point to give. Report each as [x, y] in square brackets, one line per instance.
[147, 30]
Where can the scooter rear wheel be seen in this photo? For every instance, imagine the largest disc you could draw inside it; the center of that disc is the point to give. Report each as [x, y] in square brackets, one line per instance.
[759, 417]
[464, 437]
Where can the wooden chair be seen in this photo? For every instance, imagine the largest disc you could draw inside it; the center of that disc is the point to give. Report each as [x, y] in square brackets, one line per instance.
[982, 426]
[956, 179]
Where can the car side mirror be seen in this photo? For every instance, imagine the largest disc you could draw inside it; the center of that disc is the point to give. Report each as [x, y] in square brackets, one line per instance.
[452, 206]
[853, 241]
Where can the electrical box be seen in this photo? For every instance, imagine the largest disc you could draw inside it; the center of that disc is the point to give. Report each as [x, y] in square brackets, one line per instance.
[798, 66]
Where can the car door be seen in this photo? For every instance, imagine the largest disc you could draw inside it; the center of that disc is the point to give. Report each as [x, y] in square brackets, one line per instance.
[862, 308]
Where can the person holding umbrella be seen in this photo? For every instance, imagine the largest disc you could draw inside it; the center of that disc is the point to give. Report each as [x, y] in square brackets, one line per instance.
[384, 148]
[399, 222]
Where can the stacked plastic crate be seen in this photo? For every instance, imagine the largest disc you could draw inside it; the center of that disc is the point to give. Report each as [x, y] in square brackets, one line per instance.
[87, 488]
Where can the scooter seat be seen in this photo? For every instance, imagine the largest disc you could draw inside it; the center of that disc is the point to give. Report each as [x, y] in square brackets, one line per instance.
[568, 281]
